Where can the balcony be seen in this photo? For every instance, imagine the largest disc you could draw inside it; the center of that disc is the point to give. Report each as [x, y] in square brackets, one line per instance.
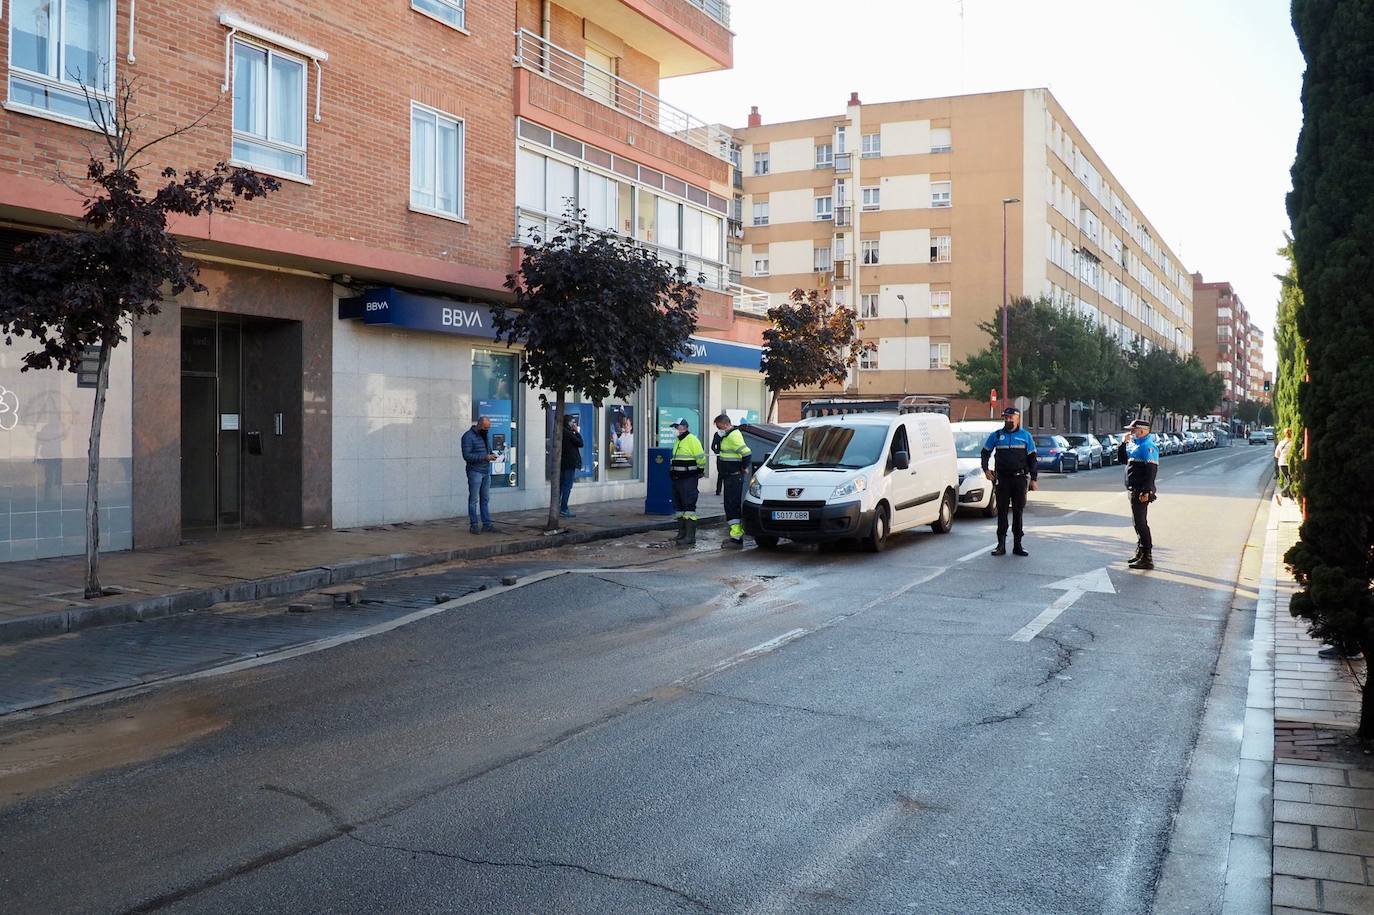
[750, 301]
[841, 268]
[588, 83]
[842, 162]
[844, 216]
[684, 36]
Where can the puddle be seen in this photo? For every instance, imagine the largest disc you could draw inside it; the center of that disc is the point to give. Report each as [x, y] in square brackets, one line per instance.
[50, 753]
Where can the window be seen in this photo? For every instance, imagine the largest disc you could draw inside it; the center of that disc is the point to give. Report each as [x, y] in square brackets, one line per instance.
[598, 74]
[872, 145]
[269, 109]
[820, 259]
[940, 193]
[939, 140]
[761, 214]
[56, 48]
[436, 162]
[939, 355]
[760, 266]
[940, 249]
[449, 12]
[939, 303]
[869, 251]
[868, 305]
[825, 207]
[868, 359]
[825, 155]
[839, 141]
[871, 196]
[761, 163]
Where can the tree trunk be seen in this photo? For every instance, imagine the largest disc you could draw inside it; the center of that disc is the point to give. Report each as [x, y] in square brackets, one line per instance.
[1366, 731]
[772, 406]
[102, 382]
[556, 472]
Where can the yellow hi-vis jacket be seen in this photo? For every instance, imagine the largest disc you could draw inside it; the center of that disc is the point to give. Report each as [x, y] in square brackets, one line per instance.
[689, 458]
[734, 453]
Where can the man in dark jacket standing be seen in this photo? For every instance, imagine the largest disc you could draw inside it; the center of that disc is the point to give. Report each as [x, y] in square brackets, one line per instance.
[569, 464]
[1013, 473]
[1140, 454]
[478, 457]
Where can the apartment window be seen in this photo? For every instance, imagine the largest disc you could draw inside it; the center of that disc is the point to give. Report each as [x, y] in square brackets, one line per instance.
[872, 145]
[760, 163]
[939, 303]
[449, 12]
[436, 162]
[760, 266]
[871, 197]
[940, 140]
[869, 251]
[825, 155]
[940, 249]
[939, 355]
[868, 359]
[57, 47]
[761, 214]
[820, 259]
[598, 74]
[941, 193]
[825, 207]
[839, 141]
[269, 109]
[868, 305]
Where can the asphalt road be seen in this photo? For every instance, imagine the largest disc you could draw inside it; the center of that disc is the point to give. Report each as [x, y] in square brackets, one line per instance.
[724, 732]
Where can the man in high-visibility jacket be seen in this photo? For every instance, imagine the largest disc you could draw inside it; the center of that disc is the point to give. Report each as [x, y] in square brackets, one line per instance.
[733, 466]
[688, 466]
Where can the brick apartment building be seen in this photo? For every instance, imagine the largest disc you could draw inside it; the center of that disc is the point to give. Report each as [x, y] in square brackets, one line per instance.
[898, 208]
[344, 343]
[1228, 343]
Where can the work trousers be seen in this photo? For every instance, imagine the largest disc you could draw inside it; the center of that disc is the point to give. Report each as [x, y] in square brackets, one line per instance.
[732, 484]
[685, 495]
[1011, 496]
[1140, 514]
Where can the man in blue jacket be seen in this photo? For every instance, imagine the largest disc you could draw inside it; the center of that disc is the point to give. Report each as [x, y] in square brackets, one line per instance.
[478, 457]
[1140, 453]
[1013, 472]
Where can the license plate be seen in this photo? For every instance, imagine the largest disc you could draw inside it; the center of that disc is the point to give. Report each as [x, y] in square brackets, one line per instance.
[791, 516]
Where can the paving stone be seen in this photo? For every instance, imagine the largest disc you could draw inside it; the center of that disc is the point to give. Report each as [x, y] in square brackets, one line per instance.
[1315, 775]
[1295, 892]
[1285, 910]
[1360, 778]
[1315, 814]
[1347, 898]
[1319, 865]
[1343, 797]
[1293, 791]
[1299, 835]
[1345, 841]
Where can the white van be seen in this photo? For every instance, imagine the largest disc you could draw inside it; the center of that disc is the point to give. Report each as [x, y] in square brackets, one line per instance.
[858, 476]
[975, 490]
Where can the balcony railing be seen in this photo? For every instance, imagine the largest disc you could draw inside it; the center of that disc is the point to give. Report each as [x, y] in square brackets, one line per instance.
[584, 77]
[842, 162]
[844, 216]
[718, 10]
[750, 301]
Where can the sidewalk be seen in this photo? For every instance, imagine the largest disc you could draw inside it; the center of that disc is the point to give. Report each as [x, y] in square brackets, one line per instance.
[44, 597]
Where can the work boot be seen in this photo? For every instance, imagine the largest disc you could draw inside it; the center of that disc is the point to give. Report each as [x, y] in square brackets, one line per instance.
[681, 530]
[1001, 548]
[1144, 563]
[1135, 557]
[730, 543]
[689, 527]
[1019, 550]
[1337, 653]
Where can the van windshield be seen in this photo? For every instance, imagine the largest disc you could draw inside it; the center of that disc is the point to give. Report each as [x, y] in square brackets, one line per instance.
[838, 447]
[969, 444]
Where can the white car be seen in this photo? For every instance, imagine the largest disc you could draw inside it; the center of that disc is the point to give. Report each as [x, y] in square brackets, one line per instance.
[855, 477]
[975, 490]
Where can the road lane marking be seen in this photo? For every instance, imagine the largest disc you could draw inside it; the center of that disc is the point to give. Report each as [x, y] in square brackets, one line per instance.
[773, 644]
[981, 551]
[1096, 581]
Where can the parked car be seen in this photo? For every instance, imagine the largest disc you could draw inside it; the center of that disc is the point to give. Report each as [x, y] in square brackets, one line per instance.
[1053, 453]
[1191, 442]
[1089, 450]
[855, 477]
[1257, 437]
[975, 490]
[1110, 443]
[1167, 445]
[1180, 446]
[1269, 433]
[762, 438]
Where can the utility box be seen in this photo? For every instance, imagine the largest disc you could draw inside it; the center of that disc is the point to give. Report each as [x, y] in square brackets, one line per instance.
[658, 498]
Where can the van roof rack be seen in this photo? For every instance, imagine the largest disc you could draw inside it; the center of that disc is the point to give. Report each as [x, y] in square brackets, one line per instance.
[839, 406]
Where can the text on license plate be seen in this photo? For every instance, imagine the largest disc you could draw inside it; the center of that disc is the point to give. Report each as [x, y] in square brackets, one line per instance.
[791, 516]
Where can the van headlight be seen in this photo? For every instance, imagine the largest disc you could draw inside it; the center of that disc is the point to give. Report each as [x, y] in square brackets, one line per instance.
[853, 487]
[755, 489]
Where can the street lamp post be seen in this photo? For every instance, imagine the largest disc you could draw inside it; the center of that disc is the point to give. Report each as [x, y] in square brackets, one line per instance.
[906, 339]
[1006, 298]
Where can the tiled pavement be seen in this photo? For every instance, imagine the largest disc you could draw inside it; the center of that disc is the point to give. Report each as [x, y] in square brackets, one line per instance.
[1323, 789]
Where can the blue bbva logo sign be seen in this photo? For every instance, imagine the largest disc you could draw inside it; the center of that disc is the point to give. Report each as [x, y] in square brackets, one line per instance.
[398, 308]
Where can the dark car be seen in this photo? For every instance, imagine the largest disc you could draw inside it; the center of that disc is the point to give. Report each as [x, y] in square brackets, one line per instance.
[1053, 453]
[762, 438]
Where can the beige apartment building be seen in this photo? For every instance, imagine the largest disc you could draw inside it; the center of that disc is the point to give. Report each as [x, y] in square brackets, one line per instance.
[1227, 343]
[898, 209]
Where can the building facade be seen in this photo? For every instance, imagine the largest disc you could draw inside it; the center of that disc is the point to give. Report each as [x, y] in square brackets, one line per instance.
[1227, 343]
[344, 341]
[898, 210]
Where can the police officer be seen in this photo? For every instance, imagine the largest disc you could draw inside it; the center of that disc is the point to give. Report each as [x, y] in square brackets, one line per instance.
[1140, 453]
[732, 463]
[1014, 471]
[688, 466]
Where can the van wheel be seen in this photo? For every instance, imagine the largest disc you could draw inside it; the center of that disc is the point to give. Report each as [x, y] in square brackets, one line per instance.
[766, 543]
[877, 535]
[945, 522]
[990, 510]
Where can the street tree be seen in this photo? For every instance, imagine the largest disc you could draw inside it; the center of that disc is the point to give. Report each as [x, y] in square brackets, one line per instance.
[593, 313]
[809, 342]
[81, 290]
[1292, 367]
[1332, 211]
[1034, 357]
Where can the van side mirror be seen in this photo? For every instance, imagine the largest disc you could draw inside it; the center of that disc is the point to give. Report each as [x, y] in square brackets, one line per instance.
[900, 460]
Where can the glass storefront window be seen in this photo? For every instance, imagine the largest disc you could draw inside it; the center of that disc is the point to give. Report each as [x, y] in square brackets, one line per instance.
[742, 399]
[585, 412]
[496, 395]
[679, 395]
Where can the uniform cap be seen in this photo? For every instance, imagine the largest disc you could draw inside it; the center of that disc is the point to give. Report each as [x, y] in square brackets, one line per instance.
[682, 423]
[1139, 422]
[1011, 411]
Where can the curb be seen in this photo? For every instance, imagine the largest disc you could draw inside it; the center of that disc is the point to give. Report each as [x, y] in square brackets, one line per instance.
[154, 607]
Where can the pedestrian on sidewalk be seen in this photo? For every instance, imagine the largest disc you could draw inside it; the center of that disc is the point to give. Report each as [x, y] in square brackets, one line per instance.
[732, 466]
[1283, 457]
[569, 464]
[1140, 453]
[478, 457]
[687, 467]
[1012, 450]
[715, 449]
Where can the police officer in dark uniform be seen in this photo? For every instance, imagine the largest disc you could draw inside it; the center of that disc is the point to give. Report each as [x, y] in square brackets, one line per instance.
[1140, 453]
[1013, 452]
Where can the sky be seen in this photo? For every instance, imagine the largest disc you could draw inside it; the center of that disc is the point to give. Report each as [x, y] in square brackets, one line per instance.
[1194, 105]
